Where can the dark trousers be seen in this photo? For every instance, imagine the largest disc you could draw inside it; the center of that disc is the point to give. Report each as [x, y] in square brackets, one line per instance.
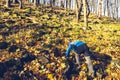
[83, 49]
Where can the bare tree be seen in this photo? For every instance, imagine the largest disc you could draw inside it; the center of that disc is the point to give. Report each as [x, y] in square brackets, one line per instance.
[78, 8]
[85, 13]
[92, 6]
[52, 3]
[99, 8]
[15, 1]
[62, 4]
[116, 8]
[69, 4]
[20, 4]
[7, 3]
[108, 11]
[35, 3]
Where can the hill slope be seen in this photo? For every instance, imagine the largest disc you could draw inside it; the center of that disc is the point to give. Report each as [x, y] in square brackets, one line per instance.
[33, 42]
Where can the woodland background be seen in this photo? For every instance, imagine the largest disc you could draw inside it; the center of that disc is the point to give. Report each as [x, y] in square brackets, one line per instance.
[34, 36]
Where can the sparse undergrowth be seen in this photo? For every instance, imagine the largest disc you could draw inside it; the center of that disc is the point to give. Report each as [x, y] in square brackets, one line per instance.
[33, 42]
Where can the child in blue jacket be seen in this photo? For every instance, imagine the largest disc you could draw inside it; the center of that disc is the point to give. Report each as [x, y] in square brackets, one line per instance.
[80, 47]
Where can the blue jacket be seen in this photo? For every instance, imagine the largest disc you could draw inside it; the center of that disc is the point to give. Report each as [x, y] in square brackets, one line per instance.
[75, 43]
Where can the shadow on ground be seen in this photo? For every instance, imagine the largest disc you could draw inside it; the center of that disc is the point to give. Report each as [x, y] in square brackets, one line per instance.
[100, 67]
[17, 65]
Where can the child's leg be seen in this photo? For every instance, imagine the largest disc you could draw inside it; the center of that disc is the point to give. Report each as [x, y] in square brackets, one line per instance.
[88, 60]
[77, 57]
[89, 64]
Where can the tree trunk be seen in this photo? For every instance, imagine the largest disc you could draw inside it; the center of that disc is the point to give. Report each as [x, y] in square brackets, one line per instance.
[94, 9]
[69, 4]
[66, 3]
[104, 8]
[107, 6]
[88, 9]
[7, 3]
[51, 3]
[15, 1]
[35, 3]
[100, 9]
[116, 8]
[85, 13]
[62, 4]
[79, 6]
[20, 4]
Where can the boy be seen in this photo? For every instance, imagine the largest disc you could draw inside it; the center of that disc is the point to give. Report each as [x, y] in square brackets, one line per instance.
[80, 47]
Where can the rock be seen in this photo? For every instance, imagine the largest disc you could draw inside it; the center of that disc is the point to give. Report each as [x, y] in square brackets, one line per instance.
[44, 51]
[3, 45]
[42, 60]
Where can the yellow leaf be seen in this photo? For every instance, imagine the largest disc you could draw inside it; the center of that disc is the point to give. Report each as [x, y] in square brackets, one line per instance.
[63, 65]
[17, 41]
[50, 76]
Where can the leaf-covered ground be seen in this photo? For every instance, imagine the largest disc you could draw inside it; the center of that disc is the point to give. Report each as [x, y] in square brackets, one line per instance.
[33, 42]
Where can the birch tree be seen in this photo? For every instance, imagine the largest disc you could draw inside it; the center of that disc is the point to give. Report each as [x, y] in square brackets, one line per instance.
[85, 13]
[99, 8]
[7, 3]
[79, 5]
[20, 4]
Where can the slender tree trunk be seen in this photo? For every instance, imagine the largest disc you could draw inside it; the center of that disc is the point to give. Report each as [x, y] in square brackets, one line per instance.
[69, 4]
[94, 9]
[107, 6]
[85, 13]
[15, 1]
[66, 3]
[7, 3]
[88, 9]
[44, 2]
[20, 4]
[51, 3]
[79, 6]
[35, 3]
[100, 8]
[62, 4]
[76, 7]
[116, 8]
[104, 9]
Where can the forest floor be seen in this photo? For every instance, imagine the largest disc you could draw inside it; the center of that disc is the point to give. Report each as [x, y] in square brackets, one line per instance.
[33, 42]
